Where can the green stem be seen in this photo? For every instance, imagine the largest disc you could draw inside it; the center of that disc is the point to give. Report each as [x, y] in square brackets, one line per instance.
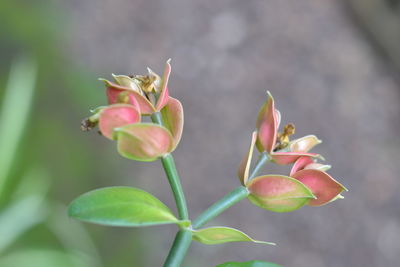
[181, 244]
[157, 118]
[173, 179]
[221, 205]
[262, 160]
[183, 238]
[230, 199]
[173, 176]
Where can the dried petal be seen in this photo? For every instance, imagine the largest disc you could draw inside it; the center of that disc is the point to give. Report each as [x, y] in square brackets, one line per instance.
[127, 81]
[155, 78]
[267, 126]
[144, 141]
[318, 166]
[172, 115]
[278, 118]
[244, 166]
[278, 193]
[304, 144]
[115, 116]
[323, 186]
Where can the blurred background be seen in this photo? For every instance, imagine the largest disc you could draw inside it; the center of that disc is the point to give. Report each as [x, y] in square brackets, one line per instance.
[332, 66]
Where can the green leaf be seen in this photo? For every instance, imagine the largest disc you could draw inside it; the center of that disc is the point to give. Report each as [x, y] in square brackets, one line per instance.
[249, 264]
[14, 112]
[219, 235]
[122, 206]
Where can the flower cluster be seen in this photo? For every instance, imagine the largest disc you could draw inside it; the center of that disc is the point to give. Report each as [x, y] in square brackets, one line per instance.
[130, 98]
[307, 184]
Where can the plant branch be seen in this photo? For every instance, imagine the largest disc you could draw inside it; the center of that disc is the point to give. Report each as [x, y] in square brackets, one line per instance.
[221, 205]
[230, 199]
[262, 160]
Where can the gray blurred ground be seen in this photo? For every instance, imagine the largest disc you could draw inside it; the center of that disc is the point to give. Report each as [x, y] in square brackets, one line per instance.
[325, 77]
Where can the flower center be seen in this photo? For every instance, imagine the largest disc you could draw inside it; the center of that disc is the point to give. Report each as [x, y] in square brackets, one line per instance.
[283, 137]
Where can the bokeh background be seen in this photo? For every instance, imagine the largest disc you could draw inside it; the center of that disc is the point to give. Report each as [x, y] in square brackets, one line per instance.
[332, 66]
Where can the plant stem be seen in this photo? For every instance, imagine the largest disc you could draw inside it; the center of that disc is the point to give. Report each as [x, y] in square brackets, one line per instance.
[230, 199]
[262, 160]
[157, 118]
[221, 205]
[182, 241]
[173, 176]
[183, 238]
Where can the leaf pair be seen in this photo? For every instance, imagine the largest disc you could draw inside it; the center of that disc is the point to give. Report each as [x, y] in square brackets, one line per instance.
[132, 207]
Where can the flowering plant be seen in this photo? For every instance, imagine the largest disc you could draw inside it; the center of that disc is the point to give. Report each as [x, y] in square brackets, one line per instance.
[132, 97]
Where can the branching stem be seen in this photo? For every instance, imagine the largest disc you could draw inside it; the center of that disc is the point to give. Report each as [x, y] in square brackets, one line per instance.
[183, 238]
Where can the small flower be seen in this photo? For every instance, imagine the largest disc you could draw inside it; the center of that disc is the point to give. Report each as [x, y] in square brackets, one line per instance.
[278, 146]
[276, 193]
[130, 98]
[307, 184]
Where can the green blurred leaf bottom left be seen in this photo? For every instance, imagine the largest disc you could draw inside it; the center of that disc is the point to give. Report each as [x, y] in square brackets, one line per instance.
[122, 206]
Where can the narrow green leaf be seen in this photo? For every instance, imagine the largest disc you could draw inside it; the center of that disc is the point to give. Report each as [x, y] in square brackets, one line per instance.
[14, 113]
[254, 263]
[219, 235]
[122, 206]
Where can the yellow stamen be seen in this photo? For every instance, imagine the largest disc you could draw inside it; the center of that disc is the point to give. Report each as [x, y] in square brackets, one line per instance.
[146, 83]
[283, 138]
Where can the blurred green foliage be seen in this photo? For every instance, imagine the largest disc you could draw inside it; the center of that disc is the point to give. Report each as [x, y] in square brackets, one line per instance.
[44, 161]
